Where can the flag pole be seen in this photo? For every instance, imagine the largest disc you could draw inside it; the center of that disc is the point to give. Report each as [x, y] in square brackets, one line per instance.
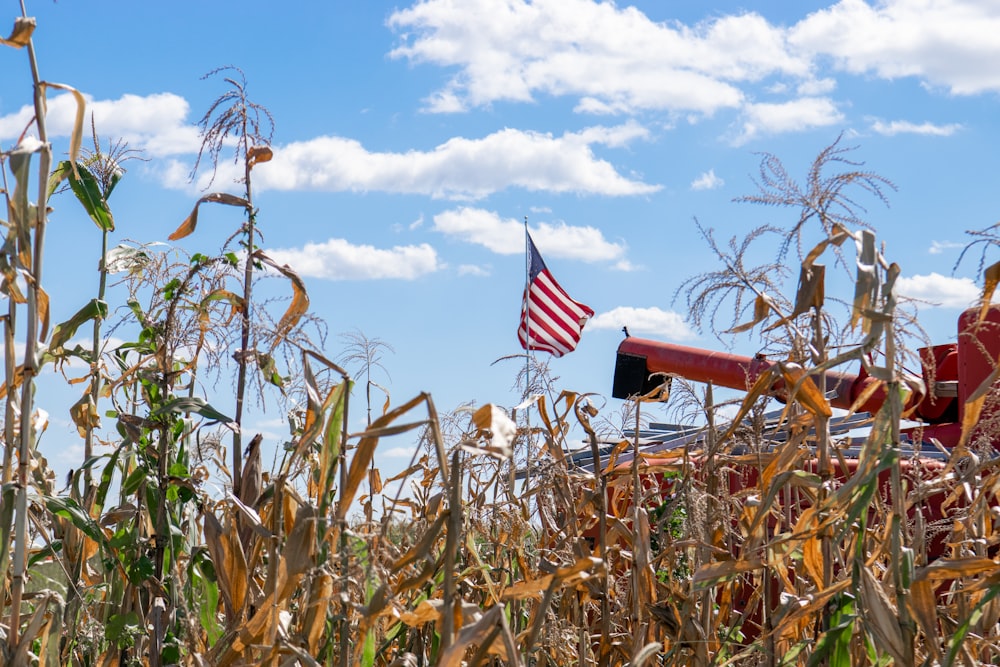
[527, 362]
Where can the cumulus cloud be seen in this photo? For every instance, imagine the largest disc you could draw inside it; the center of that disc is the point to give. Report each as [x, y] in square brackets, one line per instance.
[938, 247]
[475, 271]
[894, 127]
[815, 87]
[655, 321]
[613, 59]
[767, 118]
[460, 168]
[938, 290]
[616, 60]
[154, 123]
[707, 181]
[947, 43]
[505, 236]
[338, 259]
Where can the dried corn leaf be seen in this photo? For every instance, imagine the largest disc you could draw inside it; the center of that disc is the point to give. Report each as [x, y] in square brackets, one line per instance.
[761, 308]
[429, 611]
[492, 422]
[297, 557]
[838, 234]
[810, 294]
[230, 563]
[319, 601]
[259, 154]
[970, 418]
[422, 548]
[761, 387]
[236, 303]
[84, 415]
[644, 577]
[364, 452]
[804, 389]
[713, 573]
[419, 579]
[957, 568]
[923, 607]
[880, 616]
[300, 300]
[42, 301]
[812, 546]
[475, 635]
[76, 135]
[191, 222]
[565, 576]
[991, 277]
[866, 284]
[20, 36]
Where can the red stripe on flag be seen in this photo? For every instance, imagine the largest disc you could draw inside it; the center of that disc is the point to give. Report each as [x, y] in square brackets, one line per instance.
[550, 320]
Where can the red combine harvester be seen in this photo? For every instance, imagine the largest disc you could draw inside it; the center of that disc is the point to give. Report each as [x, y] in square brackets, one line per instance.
[954, 371]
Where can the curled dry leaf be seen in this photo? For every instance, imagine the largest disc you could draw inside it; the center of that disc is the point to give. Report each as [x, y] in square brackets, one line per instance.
[991, 277]
[191, 222]
[230, 563]
[258, 154]
[761, 308]
[20, 36]
[300, 300]
[493, 422]
[806, 391]
[76, 137]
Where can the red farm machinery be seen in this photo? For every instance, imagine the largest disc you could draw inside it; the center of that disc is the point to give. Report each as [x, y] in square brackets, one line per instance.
[766, 530]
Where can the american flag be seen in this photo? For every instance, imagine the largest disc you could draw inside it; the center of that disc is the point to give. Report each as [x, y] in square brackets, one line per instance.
[550, 320]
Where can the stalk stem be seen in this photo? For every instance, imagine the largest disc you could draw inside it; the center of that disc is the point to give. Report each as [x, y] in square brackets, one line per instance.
[34, 279]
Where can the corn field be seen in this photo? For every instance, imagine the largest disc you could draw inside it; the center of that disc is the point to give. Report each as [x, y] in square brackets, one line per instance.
[173, 544]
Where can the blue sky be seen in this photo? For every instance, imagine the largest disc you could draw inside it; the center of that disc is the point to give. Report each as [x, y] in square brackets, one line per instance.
[412, 140]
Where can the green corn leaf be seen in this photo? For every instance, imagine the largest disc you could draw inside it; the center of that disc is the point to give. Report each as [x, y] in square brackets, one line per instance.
[88, 192]
[134, 480]
[95, 310]
[68, 508]
[834, 645]
[190, 404]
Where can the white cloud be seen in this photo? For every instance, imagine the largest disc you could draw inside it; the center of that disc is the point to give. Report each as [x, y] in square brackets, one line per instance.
[939, 290]
[395, 453]
[460, 168]
[767, 118]
[814, 87]
[506, 236]
[154, 123]
[614, 59]
[895, 127]
[707, 181]
[337, 259]
[475, 271]
[938, 247]
[949, 43]
[664, 323]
